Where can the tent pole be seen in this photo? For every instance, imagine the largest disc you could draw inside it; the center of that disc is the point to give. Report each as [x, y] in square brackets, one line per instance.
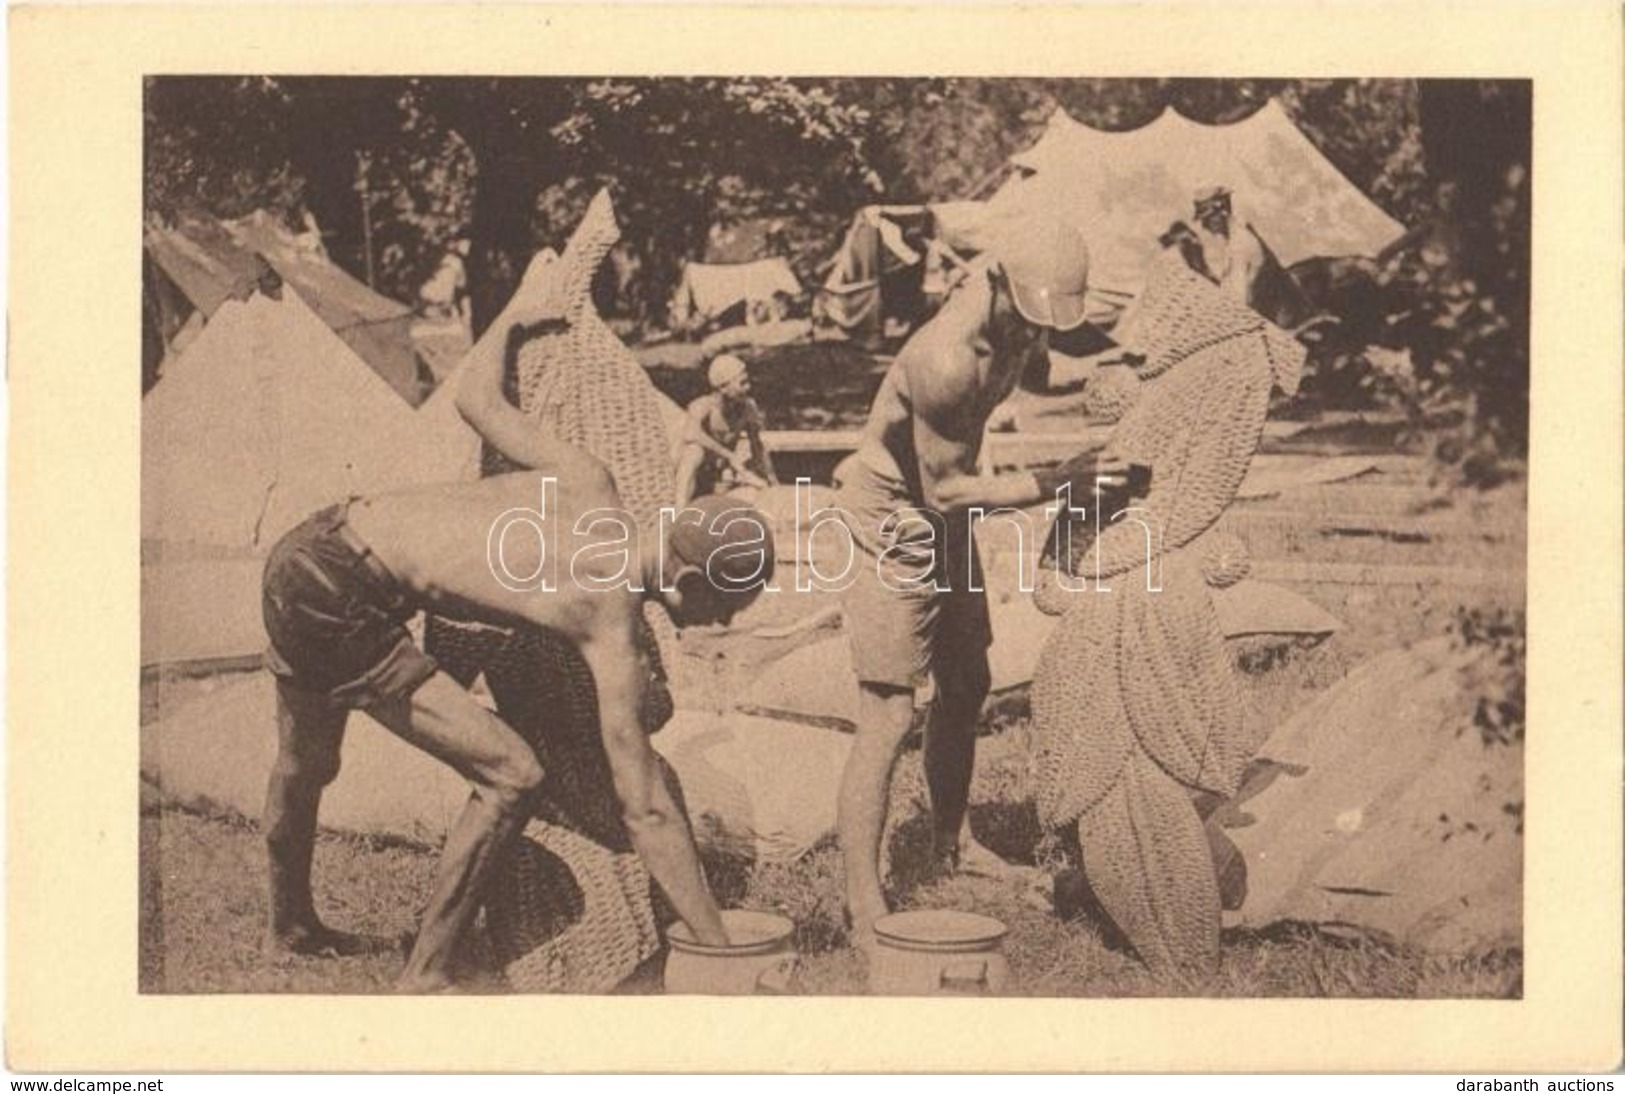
[366, 215]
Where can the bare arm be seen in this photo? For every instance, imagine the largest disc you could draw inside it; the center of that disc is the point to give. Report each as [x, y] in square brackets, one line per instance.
[760, 460]
[946, 487]
[1246, 260]
[947, 436]
[658, 829]
[480, 399]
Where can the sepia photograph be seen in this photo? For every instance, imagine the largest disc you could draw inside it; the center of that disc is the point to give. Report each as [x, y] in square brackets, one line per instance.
[815, 539]
[977, 536]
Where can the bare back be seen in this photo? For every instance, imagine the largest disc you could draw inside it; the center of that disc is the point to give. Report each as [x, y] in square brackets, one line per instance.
[438, 541]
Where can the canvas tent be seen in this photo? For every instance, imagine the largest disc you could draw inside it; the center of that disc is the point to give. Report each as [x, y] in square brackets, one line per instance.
[878, 273]
[708, 293]
[265, 418]
[1124, 189]
[202, 262]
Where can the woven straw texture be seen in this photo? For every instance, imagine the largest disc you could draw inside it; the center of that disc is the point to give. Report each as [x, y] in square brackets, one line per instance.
[589, 389]
[571, 916]
[1135, 705]
[1180, 313]
[583, 384]
[1110, 392]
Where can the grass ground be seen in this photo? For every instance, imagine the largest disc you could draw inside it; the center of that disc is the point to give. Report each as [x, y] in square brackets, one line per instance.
[202, 911]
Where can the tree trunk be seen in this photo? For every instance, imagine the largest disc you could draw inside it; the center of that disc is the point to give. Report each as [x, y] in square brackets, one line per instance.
[501, 236]
[1475, 143]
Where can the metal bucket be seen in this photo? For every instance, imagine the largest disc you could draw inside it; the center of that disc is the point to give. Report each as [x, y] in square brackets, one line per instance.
[760, 958]
[939, 952]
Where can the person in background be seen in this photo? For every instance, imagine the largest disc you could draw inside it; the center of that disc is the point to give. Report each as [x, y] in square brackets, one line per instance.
[718, 422]
[445, 294]
[1225, 248]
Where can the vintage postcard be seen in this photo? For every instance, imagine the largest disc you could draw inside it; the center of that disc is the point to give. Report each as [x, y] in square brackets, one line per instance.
[533, 522]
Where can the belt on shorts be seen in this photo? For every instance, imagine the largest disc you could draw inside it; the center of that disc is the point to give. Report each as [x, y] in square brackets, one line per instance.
[362, 551]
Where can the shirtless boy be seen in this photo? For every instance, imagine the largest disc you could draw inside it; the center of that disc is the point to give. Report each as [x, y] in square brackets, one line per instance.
[338, 592]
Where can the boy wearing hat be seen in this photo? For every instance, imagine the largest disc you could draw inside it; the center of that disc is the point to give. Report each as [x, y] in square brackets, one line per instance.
[338, 592]
[916, 609]
[717, 422]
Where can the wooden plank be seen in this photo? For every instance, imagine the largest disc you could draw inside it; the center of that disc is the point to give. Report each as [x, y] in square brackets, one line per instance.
[1360, 573]
[811, 440]
[1053, 444]
[1379, 525]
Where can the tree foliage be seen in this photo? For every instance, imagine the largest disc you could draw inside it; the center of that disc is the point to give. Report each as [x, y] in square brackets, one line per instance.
[393, 168]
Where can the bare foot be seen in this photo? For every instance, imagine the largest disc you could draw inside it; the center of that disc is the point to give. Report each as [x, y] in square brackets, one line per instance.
[321, 941]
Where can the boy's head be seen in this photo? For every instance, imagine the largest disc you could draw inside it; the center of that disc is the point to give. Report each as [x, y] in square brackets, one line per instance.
[1211, 207]
[718, 558]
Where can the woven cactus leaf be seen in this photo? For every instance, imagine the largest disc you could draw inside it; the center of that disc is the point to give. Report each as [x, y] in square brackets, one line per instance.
[585, 385]
[1150, 864]
[1198, 428]
[1134, 701]
[1081, 729]
[1180, 313]
[1178, 687]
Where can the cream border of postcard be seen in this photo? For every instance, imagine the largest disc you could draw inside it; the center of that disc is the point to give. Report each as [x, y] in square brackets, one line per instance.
[76, 85]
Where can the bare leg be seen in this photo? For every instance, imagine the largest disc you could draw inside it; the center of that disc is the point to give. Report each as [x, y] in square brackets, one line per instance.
[884, 716]
[310, 731]
[950, 753]
[443, 720]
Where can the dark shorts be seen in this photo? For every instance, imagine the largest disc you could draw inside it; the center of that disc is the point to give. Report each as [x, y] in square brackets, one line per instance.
[337, 618]
[912, 611]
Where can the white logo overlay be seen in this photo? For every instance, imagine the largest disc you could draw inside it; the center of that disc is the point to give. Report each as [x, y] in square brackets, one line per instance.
[909, 547]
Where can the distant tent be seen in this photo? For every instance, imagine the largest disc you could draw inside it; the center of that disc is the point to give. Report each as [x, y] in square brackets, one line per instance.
[878, 273]
[1125, 189]
[721, 295]
[207, 262]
